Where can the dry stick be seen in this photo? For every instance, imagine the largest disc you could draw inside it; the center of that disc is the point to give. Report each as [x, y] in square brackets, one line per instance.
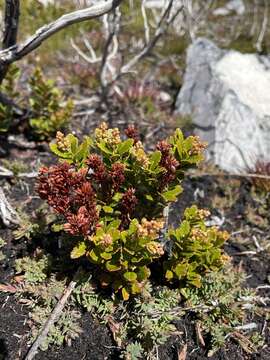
[7, 213]
[51, 320]
[263, 28]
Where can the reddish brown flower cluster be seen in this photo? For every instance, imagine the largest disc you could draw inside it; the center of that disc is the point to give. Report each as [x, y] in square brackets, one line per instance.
[97, 168]
[168, 162]
[117, 175]
[78, 223]
[132, 133]
[110, 181]
[69, 193]
[128, 205]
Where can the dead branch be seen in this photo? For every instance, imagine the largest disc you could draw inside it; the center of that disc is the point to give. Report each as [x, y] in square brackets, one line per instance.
[17, 52]
[51, 320]
[263, 30]
[7, 213]
[110, 71]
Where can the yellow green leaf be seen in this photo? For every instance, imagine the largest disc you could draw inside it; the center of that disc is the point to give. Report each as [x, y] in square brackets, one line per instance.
[78, 251]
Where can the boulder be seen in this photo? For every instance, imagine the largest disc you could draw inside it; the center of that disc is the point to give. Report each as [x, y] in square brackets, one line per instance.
[227, 94]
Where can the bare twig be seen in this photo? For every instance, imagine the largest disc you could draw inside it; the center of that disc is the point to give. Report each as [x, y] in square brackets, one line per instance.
[112, 65]
[51, 320]
[145, 22]
[162, 26]
[263, 27]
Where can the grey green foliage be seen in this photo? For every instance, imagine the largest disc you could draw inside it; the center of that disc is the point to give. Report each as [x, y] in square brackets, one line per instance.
[35, 271]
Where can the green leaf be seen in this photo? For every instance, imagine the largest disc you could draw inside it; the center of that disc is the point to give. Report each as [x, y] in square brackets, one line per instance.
[130, 276]
[183, 229]
[78, 251]
[83, 150]
[108, 209]
[125, 294]
[191, 212]
[57, 227]
[103, 147]
[93, 256]
[125, 146]
[106, 256]
[155, 159]
[61, 154]
[171, 195]
[180, 270]
[196, 281]
[149, 197]
[112, 267]
[114, 224]
[73, 143]
[169, 275]
[117, 196]
[143, 273]
[135, 288]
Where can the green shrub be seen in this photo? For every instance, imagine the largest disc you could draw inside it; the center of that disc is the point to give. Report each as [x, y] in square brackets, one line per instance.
[111, 194]
[195, 248]
[49, 111]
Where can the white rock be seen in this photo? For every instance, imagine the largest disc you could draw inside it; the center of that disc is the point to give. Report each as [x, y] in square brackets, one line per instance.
[164, 96]
[228, 96]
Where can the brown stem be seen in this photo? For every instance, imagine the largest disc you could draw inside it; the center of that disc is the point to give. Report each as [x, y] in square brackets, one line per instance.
[12, 16]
